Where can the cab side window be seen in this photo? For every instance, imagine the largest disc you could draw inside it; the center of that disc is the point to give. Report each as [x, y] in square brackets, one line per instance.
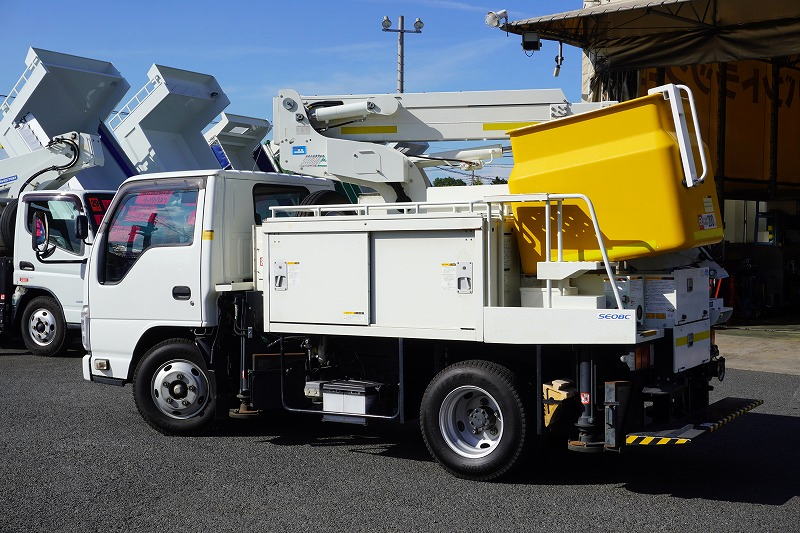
[61, 214]
[266, 196]
[147, 219]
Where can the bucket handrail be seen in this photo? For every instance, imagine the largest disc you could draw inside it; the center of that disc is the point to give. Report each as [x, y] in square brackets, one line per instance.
[672, 93]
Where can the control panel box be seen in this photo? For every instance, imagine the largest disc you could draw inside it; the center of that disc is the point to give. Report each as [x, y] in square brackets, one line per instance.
[680, 297]
[631, 292]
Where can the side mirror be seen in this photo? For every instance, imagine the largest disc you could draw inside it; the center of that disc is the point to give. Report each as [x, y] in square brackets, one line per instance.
[81, 227]
[40, 236]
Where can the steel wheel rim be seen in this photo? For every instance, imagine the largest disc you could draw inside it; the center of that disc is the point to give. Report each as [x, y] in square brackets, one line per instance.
[42, 327]
[179, 389]
[471, 422]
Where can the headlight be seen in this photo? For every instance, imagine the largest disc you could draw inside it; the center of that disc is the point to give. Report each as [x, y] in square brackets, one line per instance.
[85, 328]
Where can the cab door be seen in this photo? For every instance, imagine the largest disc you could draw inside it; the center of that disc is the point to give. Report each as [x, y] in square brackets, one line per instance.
[62, 272]
[145, 269]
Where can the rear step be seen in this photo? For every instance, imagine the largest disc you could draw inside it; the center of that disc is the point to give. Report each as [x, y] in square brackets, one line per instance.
[709, 419]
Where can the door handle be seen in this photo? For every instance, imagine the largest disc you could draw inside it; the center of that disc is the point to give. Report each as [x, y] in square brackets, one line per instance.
[26, 265]
[181, 292]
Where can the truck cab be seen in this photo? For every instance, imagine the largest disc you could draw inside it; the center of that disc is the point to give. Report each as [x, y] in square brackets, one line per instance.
[47, 291]
[144, 284]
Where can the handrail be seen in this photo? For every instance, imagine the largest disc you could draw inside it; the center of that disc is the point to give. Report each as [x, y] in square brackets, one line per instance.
[118, 117]
[406, 208]
[5, 106]
[671, 92]
[547, 198]
[415, 208]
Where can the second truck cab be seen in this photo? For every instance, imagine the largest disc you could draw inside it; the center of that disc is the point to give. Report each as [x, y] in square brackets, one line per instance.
[47, 291]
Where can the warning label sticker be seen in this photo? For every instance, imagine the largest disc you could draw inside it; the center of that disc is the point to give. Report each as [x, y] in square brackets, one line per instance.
[449, 277]
[659, 298]
[585, 398]
[708, 204]
[314, 160]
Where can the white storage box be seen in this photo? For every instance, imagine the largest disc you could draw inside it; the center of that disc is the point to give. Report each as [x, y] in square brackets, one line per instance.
[691, 345]
[352, 397]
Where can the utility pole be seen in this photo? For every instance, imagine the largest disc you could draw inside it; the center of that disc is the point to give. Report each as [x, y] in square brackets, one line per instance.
[386, 25]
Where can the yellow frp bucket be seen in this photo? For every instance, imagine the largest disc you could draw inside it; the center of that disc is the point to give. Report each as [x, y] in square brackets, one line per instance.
[626, 159]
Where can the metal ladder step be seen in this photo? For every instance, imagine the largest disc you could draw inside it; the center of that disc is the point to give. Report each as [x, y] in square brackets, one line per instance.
[709, 419]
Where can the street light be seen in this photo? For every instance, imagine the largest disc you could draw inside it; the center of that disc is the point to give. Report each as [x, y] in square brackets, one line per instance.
[386, 25]
[494, 19]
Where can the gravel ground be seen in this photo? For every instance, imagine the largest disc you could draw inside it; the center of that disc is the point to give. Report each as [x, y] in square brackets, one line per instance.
[75, 456]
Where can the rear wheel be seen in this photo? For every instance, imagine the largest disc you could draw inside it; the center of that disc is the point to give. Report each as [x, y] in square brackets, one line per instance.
[474, 420]
[173, 389]
[8, 222]
[43, 327]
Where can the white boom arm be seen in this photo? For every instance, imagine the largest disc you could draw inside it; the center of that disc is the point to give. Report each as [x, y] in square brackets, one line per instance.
[343, 137]
[59, 157]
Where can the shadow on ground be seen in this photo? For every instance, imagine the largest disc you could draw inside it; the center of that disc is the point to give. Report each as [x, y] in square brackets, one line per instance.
[754, 460]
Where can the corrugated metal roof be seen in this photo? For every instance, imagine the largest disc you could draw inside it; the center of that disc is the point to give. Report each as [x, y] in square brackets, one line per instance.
[597, 10]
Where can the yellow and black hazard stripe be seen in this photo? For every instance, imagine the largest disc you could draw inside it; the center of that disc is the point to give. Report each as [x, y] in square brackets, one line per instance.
[713, 426]
[650, 440]
[655, 440]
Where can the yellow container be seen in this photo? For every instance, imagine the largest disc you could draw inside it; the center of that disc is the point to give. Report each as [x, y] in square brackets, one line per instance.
[626, 159]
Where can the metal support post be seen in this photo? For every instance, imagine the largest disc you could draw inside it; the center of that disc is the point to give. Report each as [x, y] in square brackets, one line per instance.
[588, 429]
[400, 52]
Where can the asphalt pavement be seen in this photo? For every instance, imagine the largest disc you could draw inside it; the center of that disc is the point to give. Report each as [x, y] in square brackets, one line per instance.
[76, 456]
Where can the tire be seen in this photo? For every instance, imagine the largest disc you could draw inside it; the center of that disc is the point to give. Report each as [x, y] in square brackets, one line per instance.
[43, 328]
[8, 222]
[175, 369]
[325, 198]
[458, 402]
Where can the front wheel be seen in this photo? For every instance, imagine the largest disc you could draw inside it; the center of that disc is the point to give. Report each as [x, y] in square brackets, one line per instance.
[43, 327]
[173, 389]
[474, 420]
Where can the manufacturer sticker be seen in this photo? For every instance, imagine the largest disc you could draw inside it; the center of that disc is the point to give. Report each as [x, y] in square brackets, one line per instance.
[613, 316]
[299, 150]
[707, 221]
[8, 179]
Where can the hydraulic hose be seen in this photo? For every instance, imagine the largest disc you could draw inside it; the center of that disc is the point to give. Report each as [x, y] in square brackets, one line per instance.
[76, 152]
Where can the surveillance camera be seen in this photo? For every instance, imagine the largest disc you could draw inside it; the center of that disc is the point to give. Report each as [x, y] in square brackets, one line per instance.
[531, 42]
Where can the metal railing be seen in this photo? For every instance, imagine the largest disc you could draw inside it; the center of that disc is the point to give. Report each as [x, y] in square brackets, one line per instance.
[548, 199]
[484, 208]
[118, 117]
[5, 106]
[404, 208]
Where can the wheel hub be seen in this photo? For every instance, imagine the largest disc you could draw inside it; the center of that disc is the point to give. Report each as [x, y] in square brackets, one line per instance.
[471, 422]
[180, 389]
[481, 419]
[42, 327]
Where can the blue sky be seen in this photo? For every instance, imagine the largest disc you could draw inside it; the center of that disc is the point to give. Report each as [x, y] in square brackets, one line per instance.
[318, 47]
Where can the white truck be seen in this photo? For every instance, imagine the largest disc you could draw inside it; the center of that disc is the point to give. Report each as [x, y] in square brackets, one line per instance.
[222, 292]
[158, 129]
